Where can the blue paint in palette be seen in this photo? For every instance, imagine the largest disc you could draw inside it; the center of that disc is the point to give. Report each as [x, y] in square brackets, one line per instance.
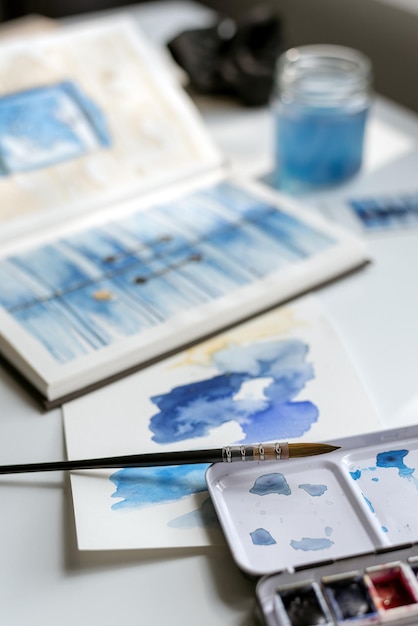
[379, 490]
[394, 458]
[369, 504]
[311, 543]
[271, 483]
[262, 537]
[276, 483]
[360, 563]
[314, 490]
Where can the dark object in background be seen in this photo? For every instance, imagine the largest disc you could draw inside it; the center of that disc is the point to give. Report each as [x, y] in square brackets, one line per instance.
[235, 58]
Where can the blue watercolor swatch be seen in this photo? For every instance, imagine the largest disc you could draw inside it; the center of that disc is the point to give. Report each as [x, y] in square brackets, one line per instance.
[387, 212]
[156, 485]
[195, 409]
[43, 126]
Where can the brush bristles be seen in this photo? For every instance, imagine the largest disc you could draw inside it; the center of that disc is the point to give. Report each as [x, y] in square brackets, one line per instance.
[299, 450]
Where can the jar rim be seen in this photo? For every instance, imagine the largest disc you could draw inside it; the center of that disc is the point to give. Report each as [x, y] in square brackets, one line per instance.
[305, 70]
[326, 52]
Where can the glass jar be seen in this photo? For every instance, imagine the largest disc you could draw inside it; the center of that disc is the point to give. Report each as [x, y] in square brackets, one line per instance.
[320, 105]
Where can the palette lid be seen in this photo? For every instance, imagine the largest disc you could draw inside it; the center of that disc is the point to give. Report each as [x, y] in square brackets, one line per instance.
[283, 515]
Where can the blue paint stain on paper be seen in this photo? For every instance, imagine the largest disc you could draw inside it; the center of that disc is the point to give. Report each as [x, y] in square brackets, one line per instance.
[155, 485]
[314, 490]
[262, 537]
[195, 409]
[312, 543]
[192, 410]
[203, 517]
[271, 483]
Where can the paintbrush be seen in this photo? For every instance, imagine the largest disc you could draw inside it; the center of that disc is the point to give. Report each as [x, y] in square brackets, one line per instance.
[227, 454]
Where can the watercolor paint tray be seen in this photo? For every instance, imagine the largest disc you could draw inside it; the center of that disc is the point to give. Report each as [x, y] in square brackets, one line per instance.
[288, 515]
[362, 590]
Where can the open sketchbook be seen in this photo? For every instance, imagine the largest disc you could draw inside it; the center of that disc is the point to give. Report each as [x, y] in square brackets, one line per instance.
[122, 237]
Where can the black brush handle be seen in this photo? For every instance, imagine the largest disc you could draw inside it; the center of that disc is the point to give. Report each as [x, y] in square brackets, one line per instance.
[228, 454]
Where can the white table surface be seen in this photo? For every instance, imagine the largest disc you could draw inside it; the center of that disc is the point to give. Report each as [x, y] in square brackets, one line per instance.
[44, 579]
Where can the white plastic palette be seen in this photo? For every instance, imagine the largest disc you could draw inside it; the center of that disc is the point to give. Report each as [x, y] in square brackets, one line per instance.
[284, 515]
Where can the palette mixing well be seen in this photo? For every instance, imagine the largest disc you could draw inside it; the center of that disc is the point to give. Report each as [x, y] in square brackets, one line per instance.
[356, 508]
[288, 514]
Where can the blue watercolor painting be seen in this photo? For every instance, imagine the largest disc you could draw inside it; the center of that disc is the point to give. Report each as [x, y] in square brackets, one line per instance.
[138, 487]
[46, 125]
[194, 409]
[386, 212]
[79, 294]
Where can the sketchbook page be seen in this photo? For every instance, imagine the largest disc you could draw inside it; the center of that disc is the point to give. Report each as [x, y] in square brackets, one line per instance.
[90, 114]
[282, 376]
[111, 294]
[106, 296]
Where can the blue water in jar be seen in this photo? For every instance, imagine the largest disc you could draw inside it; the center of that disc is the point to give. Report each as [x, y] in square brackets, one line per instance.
[318, 146]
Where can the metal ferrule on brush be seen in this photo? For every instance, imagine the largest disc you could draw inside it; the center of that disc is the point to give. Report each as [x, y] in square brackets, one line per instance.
[260, 452]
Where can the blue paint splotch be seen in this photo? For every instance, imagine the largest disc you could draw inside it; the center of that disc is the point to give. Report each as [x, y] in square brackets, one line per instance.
[394, 458]
[271, 483]
[195, 409]
[156, 485]
[356, 475]
[262, 537]
[311, 543]
[369, 504]
[313, 490]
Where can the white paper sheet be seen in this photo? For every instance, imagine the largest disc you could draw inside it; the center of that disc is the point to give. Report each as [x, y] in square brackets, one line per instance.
[282, 376]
